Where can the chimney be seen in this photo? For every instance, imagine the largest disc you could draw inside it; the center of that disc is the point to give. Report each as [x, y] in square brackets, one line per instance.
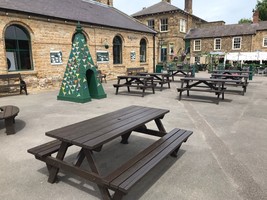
[188, 6]
[256, 16]
[107, 2]
[168, 1]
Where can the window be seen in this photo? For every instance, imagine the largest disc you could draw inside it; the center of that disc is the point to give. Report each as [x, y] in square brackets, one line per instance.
[151, 23]
[217, 44]
[182, 25]
[117, 50]
[264, 42]
[236, 44]
[163, 53]
[18, 48]
[163, 24]
[197, 45]
[143, 50]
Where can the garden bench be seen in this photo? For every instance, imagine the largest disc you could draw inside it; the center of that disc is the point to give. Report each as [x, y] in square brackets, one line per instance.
[8, 81]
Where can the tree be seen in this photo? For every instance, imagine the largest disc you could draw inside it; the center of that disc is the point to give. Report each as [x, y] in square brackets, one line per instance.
[261, 6]
[245, 21]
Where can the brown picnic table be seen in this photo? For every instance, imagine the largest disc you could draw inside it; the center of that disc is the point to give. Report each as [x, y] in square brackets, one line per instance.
[8, 113]
[161, 78]
[242, 80]
[199, 84]
[138, 82]
[179, 71]
[92, 134]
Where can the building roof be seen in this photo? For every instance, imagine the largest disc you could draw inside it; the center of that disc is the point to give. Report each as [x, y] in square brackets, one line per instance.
[85, 11]
[226, 30]
[161, 7]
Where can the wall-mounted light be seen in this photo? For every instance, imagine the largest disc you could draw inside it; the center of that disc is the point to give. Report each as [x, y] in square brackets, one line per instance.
[105, 43]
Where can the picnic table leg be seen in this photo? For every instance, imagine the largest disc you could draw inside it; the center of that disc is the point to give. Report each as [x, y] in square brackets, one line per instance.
[53, 171]
[91, 161]
[160, 125]
[187, 86]
[124, 138]
[79, 159]
[9, 124]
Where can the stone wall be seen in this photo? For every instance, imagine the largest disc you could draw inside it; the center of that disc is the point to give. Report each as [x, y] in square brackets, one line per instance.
[48, 35]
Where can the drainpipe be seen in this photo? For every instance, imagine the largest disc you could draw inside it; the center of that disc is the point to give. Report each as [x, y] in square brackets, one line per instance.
[154, 52]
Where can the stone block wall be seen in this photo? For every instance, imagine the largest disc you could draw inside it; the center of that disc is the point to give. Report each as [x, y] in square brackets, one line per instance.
[48, 35]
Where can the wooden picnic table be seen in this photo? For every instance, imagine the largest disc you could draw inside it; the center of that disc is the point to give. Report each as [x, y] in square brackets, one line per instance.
[90, 135]
[8, 113]
[138, 82]
[179, 71]
[242, 78]
[161, 78]
[211, 85]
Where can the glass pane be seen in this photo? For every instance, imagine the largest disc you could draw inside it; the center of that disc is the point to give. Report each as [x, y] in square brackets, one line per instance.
[25, 61]
[21, 35]
[23, 44]
[11, 44]
[10, 33]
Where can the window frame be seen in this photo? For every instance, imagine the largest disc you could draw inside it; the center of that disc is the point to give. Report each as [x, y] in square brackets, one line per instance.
[164, 23]
[143, 50]
[215, 44]
[264, 41]
[117, 48]
[19, 55]
[182, 25]
[195, 49]
[149, 23]
[234, 43]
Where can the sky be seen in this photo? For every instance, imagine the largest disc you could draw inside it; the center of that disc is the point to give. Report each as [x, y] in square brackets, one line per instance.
[230, 11]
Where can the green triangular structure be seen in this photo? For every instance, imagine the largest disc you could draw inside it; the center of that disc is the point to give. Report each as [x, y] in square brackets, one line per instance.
[80, 82]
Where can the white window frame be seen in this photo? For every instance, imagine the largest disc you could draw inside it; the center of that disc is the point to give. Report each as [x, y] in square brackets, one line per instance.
[149, 23]
[234, 43]
[164, 25]
[197, 47]
[219, 44]
[183, 25]
[264, 41]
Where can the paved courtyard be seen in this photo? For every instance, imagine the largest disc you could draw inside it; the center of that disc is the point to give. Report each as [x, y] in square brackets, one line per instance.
[224, 159]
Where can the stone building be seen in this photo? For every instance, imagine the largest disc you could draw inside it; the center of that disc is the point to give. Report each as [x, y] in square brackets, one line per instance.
[228, 38]
[172, 24]
[36, 38]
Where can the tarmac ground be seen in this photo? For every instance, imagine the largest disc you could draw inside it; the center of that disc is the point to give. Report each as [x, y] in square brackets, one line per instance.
[224, 159]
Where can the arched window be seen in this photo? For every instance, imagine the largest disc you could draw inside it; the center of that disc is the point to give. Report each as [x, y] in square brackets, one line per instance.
[143, 50]
[18, 49]
[117, 50]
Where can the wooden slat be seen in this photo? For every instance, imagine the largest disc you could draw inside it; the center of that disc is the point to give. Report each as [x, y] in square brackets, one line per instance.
[93, 143]
[45, 149]
[89, 127]
[87, 124]
[129, 173]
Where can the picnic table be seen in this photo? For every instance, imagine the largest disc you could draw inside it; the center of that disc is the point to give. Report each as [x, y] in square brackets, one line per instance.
[92, 134]
[210, 85]
[161, 78]
[8, 113]
[241, 78]
[179, 71]
[138, 82]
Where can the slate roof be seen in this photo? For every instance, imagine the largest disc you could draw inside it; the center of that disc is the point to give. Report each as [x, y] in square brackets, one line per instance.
[226, 30]
[161, 7]
[86, 11]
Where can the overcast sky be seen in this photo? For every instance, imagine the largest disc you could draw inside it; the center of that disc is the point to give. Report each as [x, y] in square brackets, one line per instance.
[230, 11]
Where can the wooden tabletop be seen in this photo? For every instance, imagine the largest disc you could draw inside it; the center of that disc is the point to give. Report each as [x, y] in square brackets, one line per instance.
[8, 111]
[95, 132]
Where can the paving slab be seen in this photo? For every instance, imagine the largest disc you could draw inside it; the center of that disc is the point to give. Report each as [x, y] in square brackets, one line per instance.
[225, 158]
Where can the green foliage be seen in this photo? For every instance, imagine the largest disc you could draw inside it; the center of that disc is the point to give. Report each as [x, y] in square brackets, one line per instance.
[245, 21]
[262, 7]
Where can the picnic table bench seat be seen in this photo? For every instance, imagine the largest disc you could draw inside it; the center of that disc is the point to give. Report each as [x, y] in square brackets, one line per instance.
[127, 175]
[46, 149]
[134, 70]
